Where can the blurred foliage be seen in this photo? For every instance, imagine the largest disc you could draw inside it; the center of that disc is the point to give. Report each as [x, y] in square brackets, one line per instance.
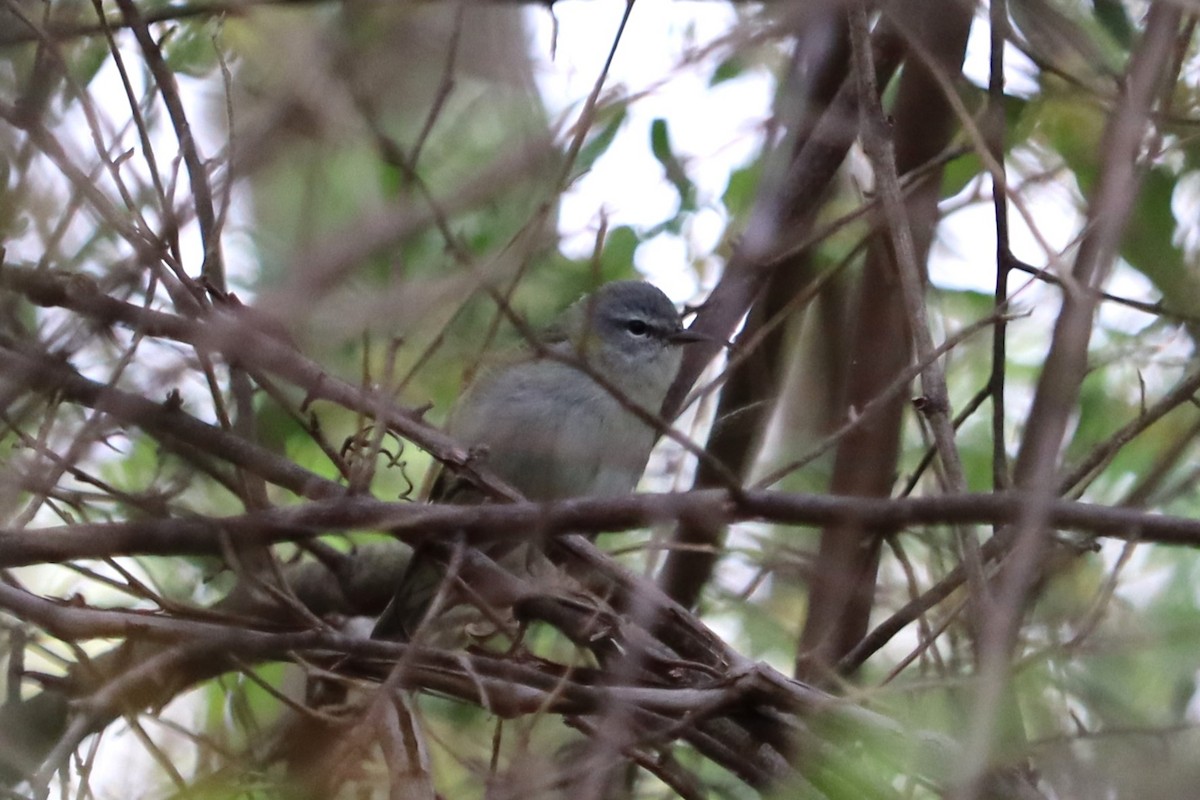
[348, 113]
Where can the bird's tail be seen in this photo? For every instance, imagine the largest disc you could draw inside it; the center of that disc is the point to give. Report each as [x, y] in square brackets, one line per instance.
[411, 604]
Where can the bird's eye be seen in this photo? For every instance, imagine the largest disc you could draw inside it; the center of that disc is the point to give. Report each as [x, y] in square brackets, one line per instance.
[637, 327]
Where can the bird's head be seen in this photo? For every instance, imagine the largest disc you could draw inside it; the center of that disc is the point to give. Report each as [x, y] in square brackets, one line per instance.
[629, 331]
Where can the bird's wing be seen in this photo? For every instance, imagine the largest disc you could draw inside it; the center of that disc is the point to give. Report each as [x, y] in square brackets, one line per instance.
[552, 433]
[585, 442]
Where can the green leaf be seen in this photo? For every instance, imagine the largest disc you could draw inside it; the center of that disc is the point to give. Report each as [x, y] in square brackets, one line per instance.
[1149, 243]
[660, 145]
[960, 172]
[391, 180]
[90, 58]
[1072, 125]
[191, 50]
[618, 252]
[599, 141]
[1018, 122]
[1113, 17]
[727, 70]
[741, 189]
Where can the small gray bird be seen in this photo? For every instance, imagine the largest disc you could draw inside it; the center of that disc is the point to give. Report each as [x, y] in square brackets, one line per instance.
[549, 429]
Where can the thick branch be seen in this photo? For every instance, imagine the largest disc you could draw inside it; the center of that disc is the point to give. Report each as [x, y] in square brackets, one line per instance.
[414, 523]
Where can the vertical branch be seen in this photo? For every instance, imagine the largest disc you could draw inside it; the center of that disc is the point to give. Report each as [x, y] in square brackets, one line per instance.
[213, 269]
[844, 577]
[795, 179]
[747, 400]
[1066, 363]
[994, 133]
[936, 398]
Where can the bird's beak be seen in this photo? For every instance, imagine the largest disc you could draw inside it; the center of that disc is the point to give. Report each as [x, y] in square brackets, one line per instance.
[687, 336]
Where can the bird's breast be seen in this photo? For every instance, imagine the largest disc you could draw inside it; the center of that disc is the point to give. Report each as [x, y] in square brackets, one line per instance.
[554, 433]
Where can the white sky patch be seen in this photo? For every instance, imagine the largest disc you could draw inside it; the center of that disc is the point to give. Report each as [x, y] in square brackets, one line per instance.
[713, 129]
[1129, 283]
[201, 97]
[659, 260]
[1185, 205]
[964, 253]
[1020, 73]
[1141, 582]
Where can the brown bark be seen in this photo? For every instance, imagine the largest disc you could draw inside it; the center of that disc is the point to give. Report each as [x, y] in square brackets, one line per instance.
[844, 574]
[747, 399]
